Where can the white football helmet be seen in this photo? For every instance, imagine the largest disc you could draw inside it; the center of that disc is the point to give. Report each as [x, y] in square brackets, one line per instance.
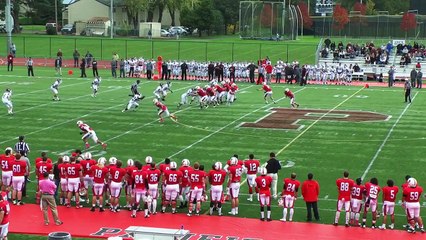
[130, 162]
[66, 159]
[9, 148]
[263, 171]
[234, 161]
[112, 160]
[102, 160]
[79, 123]
[148, 159]
[287, 90]
[185, 162]
[173, 165]
[218, 166]
[155, 100]
[197, 87]
[88, 156]
[412, 182]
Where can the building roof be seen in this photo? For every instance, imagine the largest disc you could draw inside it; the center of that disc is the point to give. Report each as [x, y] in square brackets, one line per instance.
[104, 2]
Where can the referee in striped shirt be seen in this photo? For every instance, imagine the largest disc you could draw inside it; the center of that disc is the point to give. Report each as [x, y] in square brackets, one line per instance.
[22, 146]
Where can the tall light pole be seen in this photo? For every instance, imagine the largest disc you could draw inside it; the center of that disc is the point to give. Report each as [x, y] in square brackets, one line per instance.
[112, 18]
[56, 15]
[9, 24]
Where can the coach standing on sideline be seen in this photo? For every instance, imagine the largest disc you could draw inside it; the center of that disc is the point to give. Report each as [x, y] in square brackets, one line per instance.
[47, 189]
[407, 90]
[310, 192]
[272, 167]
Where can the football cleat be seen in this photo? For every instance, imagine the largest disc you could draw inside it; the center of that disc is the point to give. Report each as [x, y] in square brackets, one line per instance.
[133, 215]
[283, 220]
[101, 209]
[268, 219]
[335, 224]
[262, 219]
[346, 225]
[92, 209]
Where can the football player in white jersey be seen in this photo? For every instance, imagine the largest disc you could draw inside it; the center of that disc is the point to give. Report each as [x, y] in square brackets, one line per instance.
[166, 88]
[158, 92]
[95, 85]
[184, 97]
[6, 99]
[133, 103]
[55, 89]
[87, 133]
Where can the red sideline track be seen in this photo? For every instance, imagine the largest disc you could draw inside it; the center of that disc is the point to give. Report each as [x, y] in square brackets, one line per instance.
[28, 219]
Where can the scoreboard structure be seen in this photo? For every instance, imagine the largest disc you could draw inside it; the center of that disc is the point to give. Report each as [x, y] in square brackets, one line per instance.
[324, 6]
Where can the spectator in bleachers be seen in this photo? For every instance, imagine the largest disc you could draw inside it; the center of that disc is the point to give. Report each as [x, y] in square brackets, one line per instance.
[356, 68]
[333, 46]
[327, 43]
[367, 58]
[324, 53]
[418, 66]
[389, 48]
[402, 61]
[383, 58]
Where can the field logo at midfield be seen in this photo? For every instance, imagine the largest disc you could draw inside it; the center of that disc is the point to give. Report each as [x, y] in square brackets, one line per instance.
[285, 118]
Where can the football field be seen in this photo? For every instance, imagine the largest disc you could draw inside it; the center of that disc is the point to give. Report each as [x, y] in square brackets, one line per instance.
[369, 132]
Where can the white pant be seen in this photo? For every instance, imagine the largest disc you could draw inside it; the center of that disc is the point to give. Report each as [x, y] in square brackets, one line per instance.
[356, 205]
[132, 104]
[274, 177]
[288, 201]
[8, 103]
[230, 98]
[54, 90]
[251, 180]
[412, 209]
[91, 135]
[264, 200]
[18, 182]
[139, 194]
[216, 193]
[164, 113]
[184, 99]
[234, 189]
[372, 204]
[115, 189]
[88, 181]
[195, 194]
[73, 184]
[388, 208]
[4, 230]
[341, 203]
[98, 189]
[6, 178]
[64, 184]
[172, 192]
[153, 190]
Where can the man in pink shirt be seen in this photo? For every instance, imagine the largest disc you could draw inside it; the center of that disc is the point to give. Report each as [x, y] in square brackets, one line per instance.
[47, 191]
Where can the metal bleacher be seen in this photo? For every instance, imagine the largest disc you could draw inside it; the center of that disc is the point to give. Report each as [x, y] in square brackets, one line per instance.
[370, 70]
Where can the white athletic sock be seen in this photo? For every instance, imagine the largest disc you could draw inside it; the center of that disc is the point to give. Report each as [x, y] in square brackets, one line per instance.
[347, 217]
[268, 214]
[262, 214]
[291, 214]
[285, 213]
[336, 219]
[154, 205]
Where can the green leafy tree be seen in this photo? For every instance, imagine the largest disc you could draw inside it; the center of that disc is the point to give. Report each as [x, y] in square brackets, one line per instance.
[202, 16]
[133, 7]
[230, 13]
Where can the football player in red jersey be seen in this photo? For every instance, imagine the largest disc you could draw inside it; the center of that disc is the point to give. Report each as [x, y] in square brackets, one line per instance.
[86, 165]
[42, 167]
[185, 185]
[216, 179]
[372, 190]
[267, 92]
[172, 179]
[163, 168]
[234, 179]
[412, 195]
[289, 94]
[148, 161]
[4, 216]
[264, 183]
[202, 97]
[19, 169]
[153, 178]
[75, 178]
[87, 133]
[344, 187]
[6, 169]
[389, 196]
[289, 195]
[117, 174]
[112, 161]
[62, 167]
[358, 193]
[197, 182]
[162, 110]
[139, 180]
[129, 183]
[252, 167]
[228, 163]
[100, 173]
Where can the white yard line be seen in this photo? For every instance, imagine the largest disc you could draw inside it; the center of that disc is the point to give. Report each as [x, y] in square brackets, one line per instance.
[74, 119]
[386, 140]
[316, 121]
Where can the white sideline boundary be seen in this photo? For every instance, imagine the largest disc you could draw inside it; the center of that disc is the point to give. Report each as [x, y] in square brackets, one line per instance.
[376, 155]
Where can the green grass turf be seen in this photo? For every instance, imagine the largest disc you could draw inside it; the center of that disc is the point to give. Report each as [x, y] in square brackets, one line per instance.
[216, 49]
[322, 147]
[34, 237]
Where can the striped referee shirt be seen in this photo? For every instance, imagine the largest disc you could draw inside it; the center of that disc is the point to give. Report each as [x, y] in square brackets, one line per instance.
[22, 146]
[134, 88]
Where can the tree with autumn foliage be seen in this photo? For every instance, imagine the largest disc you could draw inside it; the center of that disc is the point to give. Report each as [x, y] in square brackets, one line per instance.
[361, 8]
[340, 16]
[408, 22]
[307, 20]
